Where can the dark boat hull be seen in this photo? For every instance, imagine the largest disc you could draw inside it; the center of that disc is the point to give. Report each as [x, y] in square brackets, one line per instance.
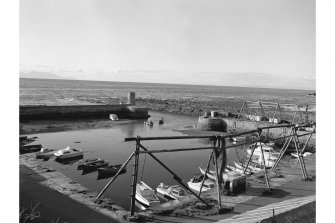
[30, 148]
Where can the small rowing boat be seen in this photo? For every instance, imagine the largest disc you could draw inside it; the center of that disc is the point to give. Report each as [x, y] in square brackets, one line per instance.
[195, 183]
[112, 170]
[45, 153]
[146, 196]
[69, 153]
[81, 163]
[30, 148]
[93, 166]
[174, 192]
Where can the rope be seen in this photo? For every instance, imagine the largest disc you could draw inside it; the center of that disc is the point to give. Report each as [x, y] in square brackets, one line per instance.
[145, 157]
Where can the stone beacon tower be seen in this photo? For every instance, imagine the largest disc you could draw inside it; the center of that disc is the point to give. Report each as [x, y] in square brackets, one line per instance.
[131, 98]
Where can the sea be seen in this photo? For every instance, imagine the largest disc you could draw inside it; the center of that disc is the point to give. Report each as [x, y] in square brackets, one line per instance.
[61, 92]
[108, 143]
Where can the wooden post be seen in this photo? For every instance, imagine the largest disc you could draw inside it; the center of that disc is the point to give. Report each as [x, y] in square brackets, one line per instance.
[282, 151]
[175, 176]
[217, 180]
[116, 175]
[299, 154]
[264, 164]
[134, 183]
[206, 171]
[252, 153]
[303, 149]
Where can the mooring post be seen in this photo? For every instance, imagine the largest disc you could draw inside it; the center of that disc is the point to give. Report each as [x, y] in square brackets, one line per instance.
[134, 183]
[206, 171]
[116, 175]
[175, 176]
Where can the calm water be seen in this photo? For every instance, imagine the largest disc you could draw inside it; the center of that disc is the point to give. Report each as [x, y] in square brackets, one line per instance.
[55, 92]
[109, 144]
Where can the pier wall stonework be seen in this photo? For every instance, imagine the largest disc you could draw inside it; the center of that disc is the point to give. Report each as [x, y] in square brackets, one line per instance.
[81, 112]
[245, 125]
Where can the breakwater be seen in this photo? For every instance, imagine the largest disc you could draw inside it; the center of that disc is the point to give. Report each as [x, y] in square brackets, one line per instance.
[28, 113]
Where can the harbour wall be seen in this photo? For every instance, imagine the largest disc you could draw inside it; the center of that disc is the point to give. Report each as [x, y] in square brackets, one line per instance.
[28, 113]
[245, 125]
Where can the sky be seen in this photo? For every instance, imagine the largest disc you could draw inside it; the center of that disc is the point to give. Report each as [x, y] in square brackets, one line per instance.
[148, 40]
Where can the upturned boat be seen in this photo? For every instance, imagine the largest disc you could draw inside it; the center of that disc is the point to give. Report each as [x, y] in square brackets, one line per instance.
[195, 183]
[146, 196]
[173, 192]
[45, 153]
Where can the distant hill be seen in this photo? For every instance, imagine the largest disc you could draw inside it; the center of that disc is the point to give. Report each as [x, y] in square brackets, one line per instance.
[39, 74]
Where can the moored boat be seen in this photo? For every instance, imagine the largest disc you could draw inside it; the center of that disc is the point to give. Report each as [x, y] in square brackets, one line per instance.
[69, 153]
[145, 195]
[295, 155]
[81, 163]
[113, 117]
[45, 153]
[111, 169]
[173, 192]
[268, 151]
[149, 123]
[211, 173]
[30, 148]
[93, 166]
[195, 183]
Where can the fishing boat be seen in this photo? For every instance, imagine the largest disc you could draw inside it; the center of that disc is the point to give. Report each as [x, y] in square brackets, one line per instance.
[111, 170]
[113, 117]
[174, 192]
[93, 166]
[81, 163]
[45, 153]
[268, 151]
[195, 183]
[30, 148]
[69, 153]
[145, 195]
